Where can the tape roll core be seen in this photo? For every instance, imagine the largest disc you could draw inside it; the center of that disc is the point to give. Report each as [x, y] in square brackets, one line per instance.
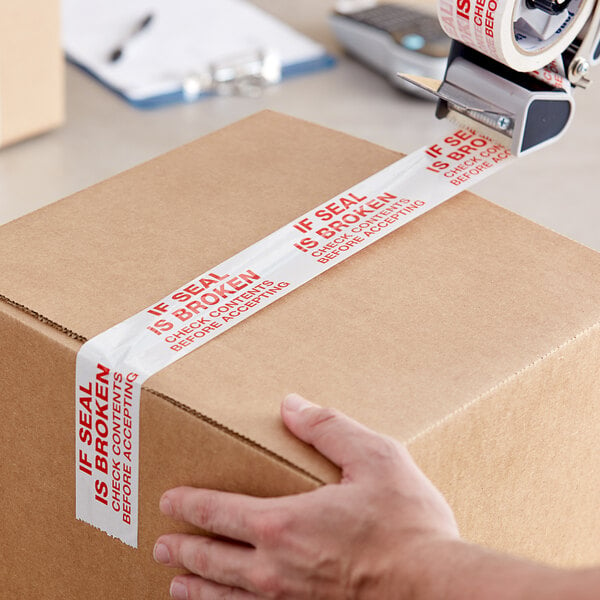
[508, 31]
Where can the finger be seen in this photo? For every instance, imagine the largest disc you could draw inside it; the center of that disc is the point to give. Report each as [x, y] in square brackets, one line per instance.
[223, 513]
[344, 441]
[214, 560]
[190, 587]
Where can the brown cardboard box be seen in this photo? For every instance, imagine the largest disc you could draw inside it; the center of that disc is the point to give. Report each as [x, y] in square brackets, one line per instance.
[471, 334]
[31, 69]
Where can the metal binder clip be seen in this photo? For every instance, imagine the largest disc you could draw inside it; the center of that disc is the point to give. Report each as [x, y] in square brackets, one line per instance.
[245, 74]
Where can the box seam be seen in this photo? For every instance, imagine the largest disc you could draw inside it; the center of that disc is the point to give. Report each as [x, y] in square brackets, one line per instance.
[42, 319]
[280, 459]
[504, 382]
[238, 436]
[180, 405]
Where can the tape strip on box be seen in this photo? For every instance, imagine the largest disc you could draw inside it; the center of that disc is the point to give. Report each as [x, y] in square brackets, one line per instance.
[112, 367]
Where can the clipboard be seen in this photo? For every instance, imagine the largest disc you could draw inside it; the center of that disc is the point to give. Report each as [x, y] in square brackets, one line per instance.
[187, 48]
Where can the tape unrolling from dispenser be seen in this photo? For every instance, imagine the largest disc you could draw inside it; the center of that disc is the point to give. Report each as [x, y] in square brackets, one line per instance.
[497, 29]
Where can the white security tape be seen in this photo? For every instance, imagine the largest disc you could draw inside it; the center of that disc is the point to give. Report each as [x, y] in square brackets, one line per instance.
[499, 29]
[112, 367]
[554, 75]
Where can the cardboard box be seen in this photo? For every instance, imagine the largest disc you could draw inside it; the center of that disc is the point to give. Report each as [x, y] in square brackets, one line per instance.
[31, 69]
[471, 334]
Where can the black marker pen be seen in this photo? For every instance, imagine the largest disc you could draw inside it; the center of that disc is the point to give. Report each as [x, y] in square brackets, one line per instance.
[117, 53]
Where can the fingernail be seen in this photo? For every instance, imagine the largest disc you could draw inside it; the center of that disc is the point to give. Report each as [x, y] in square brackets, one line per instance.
[161, 554]
[165, 506]
[296, 403]
[178, 591]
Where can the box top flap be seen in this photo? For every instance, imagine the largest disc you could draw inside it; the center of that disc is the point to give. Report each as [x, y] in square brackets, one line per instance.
[399, 336]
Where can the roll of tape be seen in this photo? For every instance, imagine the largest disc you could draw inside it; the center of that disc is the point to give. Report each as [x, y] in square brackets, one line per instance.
[510, 32]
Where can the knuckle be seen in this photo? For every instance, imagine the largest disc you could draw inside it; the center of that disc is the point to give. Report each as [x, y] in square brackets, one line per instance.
[267, 584]
[199, 561]
[321, 423]
[228, 593]
[322, 416]
[273, 526]
[383, 449]
[204, 512]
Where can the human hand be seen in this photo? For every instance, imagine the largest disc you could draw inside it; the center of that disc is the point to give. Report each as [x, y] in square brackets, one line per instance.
[376, 534]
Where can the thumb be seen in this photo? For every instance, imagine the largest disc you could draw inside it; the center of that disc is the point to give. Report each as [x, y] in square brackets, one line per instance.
[344, 441]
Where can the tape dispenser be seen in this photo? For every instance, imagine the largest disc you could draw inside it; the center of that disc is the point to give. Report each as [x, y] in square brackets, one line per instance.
[513, 65]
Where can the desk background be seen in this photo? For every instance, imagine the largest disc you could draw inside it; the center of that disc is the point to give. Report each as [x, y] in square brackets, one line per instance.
[556, 187]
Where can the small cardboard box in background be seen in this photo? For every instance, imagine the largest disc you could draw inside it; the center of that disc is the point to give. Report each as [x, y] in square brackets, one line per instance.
[471, 334]
[31, 69]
